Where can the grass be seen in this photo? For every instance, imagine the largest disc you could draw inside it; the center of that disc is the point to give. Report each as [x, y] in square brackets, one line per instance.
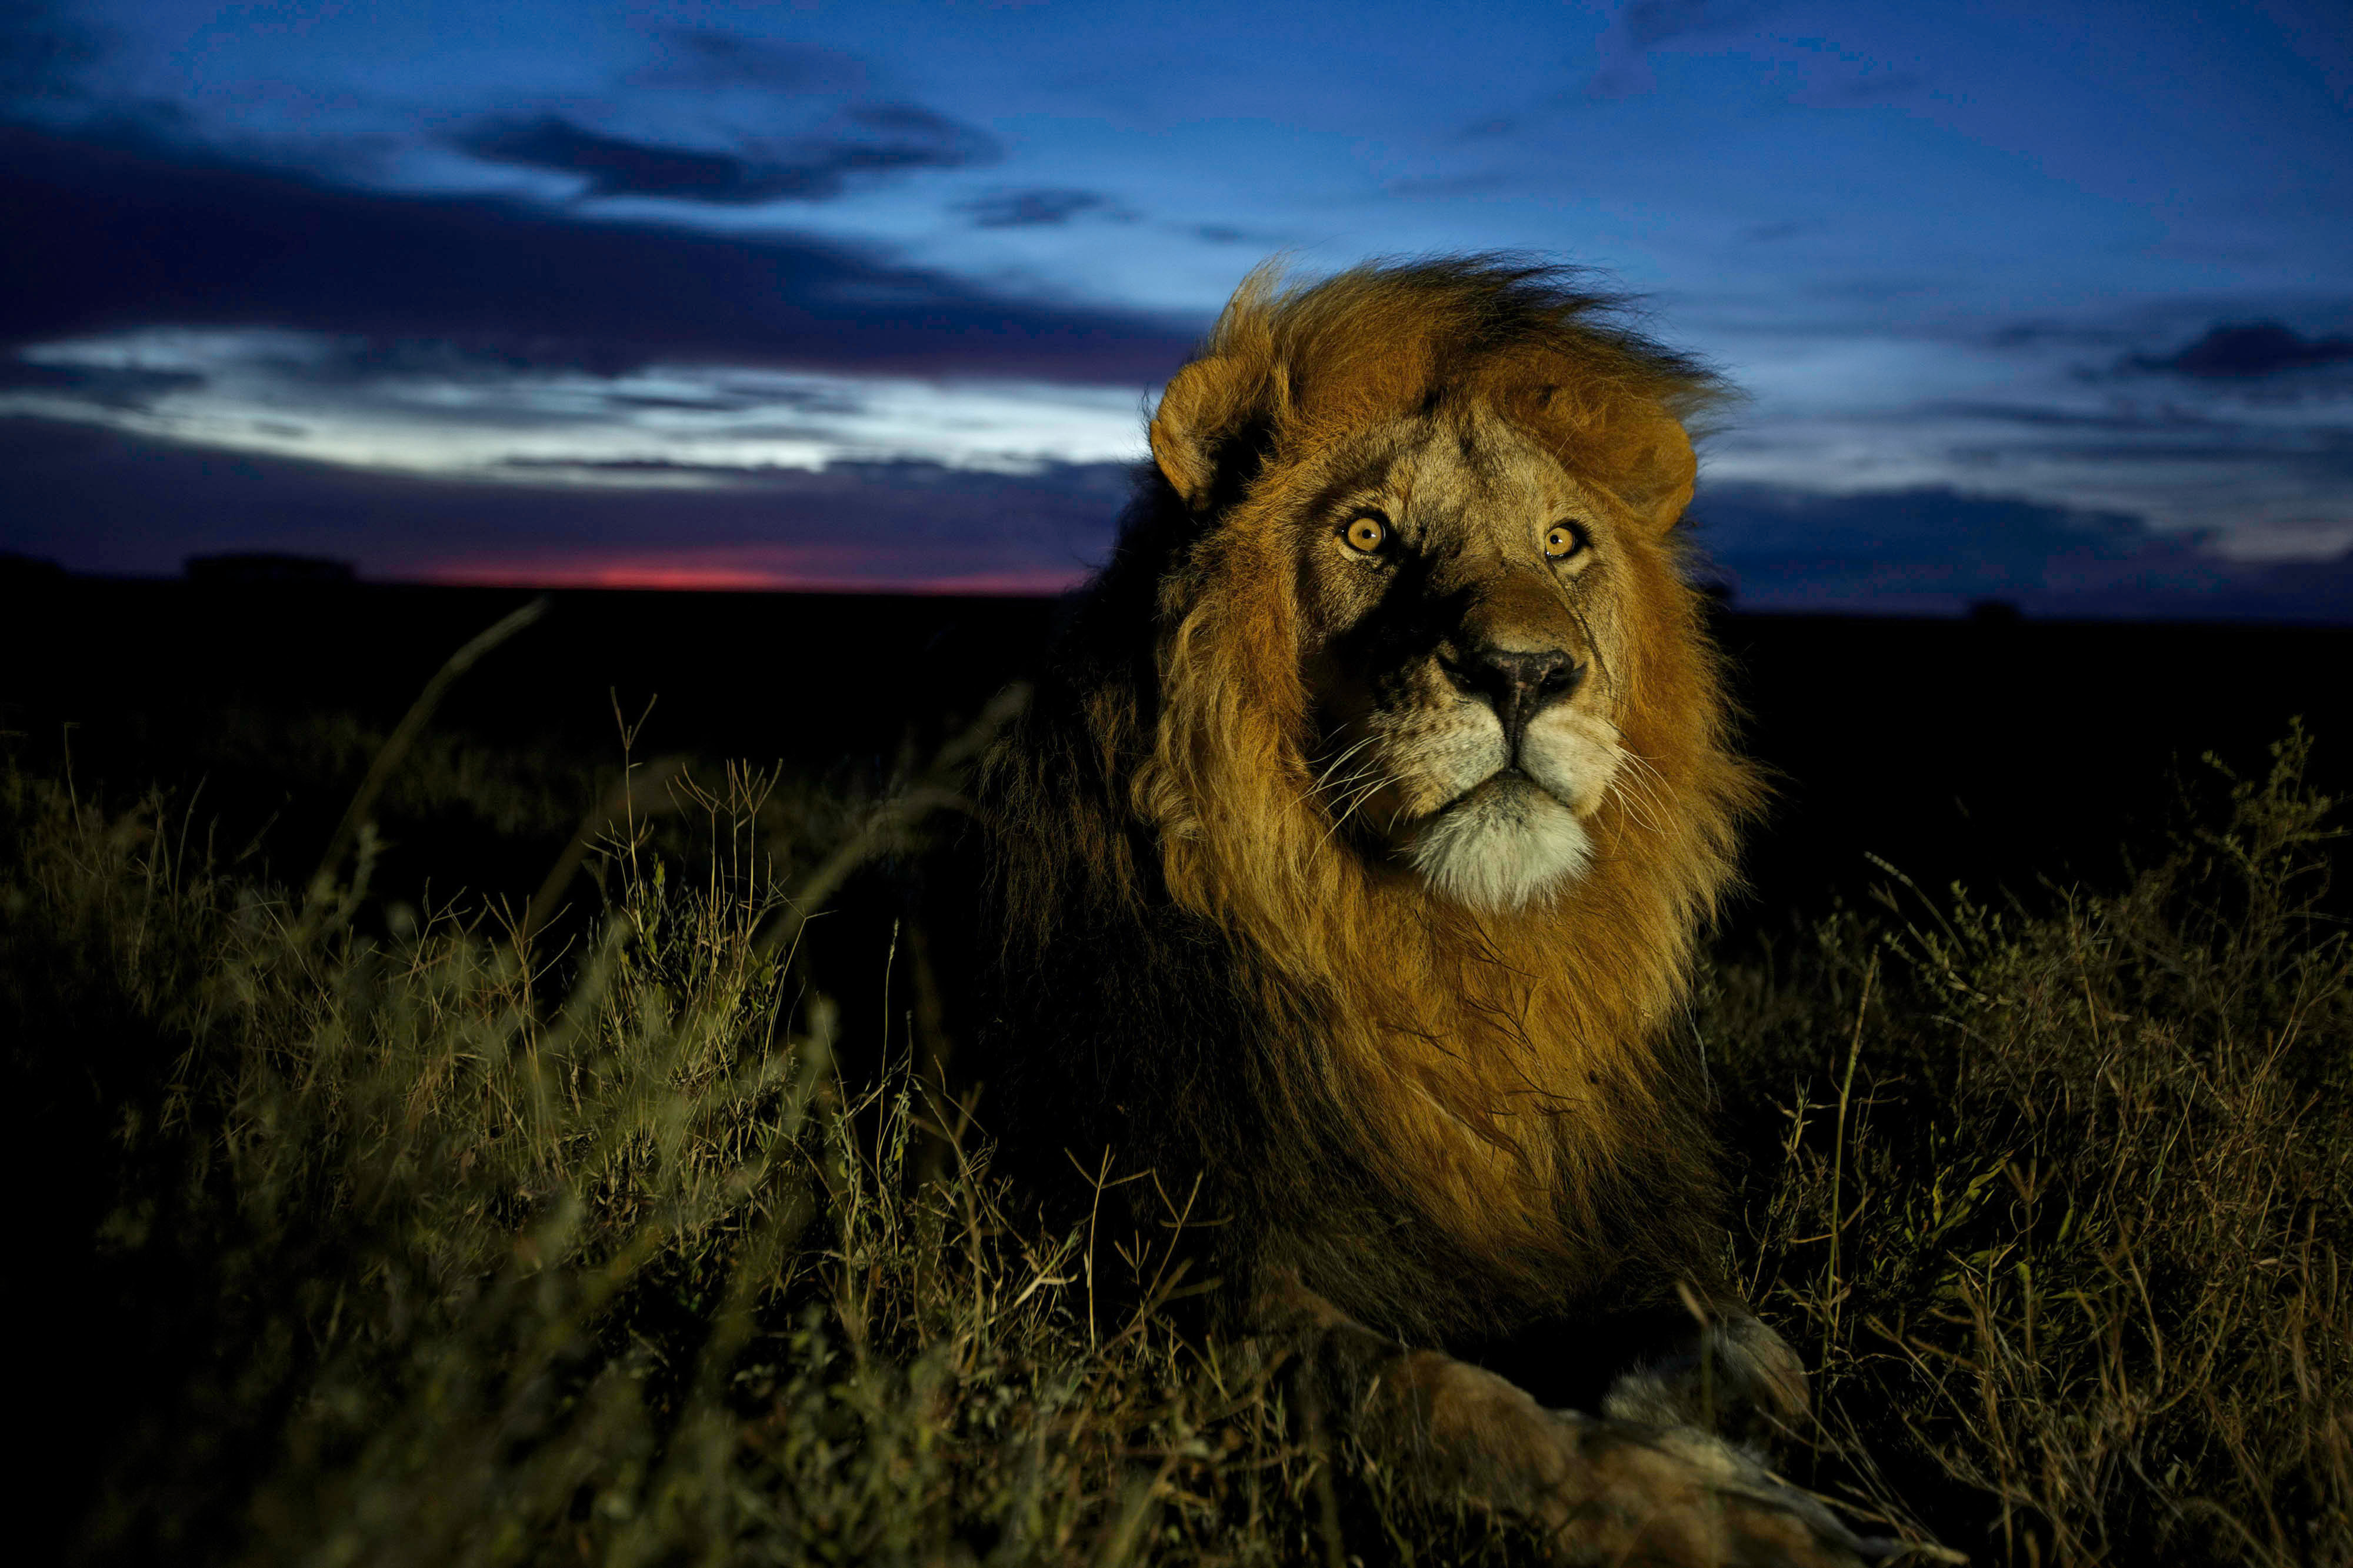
[2066, 1213]
[613, 1225]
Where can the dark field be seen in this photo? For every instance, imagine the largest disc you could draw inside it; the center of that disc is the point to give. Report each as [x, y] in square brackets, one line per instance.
[555, 1174]
[1997, 753]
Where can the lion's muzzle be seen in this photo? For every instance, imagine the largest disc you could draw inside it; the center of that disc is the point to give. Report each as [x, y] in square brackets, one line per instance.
[1518, 685]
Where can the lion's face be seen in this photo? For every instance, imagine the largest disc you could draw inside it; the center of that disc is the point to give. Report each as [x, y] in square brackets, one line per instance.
[1457, 628]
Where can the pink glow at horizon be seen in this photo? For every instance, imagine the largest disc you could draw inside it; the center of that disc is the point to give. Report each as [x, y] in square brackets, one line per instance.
[817, 571]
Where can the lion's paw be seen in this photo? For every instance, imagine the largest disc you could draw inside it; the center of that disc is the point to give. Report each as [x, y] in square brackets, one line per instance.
[1617, 1491]
[1680, 1498]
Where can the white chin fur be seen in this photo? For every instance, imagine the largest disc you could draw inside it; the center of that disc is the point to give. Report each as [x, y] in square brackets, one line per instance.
[1501, 847]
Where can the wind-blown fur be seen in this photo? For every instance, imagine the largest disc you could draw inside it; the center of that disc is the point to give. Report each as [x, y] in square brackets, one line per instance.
[1449, 1121]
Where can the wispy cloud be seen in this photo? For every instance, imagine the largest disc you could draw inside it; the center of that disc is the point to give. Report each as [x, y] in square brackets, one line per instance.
[1039, 208]
[1937, 551]
[114, 387]
[702, 59]
[430, 408]
[2090, 414]
[2241, 349]
[1641, 27]
[144, 237]
[44, 50]
[866, 144]
[111, 500]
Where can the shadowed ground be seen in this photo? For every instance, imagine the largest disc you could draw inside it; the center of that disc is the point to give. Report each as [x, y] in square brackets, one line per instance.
[366, 1226]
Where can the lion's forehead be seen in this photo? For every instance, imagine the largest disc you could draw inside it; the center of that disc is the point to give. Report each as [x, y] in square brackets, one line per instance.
[1458, 478]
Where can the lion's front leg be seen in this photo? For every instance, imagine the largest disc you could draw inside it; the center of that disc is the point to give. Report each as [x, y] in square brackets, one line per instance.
[1603, 1489]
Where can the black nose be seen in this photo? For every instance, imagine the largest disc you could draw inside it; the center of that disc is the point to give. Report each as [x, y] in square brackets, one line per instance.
[1518, 685]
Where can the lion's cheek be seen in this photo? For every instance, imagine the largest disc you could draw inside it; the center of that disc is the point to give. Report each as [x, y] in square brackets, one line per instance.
[1576, 757]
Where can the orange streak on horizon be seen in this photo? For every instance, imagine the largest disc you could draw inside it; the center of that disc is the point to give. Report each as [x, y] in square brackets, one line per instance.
[689, 576]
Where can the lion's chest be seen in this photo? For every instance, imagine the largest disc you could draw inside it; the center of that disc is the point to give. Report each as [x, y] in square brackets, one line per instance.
[1486, 1115]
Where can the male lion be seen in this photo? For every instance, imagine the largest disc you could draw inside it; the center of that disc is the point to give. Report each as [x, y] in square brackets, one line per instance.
[1349, 864]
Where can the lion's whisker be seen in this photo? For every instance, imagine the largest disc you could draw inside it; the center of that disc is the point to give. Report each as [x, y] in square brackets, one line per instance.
[1353, 777]
[1344, 756]
[1639, 799]
[1370, 777]
[1323, 783]
[1363, 794]
[1372, 786]
[1642, 762]
[1635, 783]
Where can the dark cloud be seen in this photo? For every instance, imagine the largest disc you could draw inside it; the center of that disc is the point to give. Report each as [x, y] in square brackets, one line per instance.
[1934, 528]
[910, 120]
[2165, 420]
[705, 57]
[2238, 350]
[355, 361]
[1871, 87]
[735, 400]
[1647, 23]
[2033, 335]
[1475, 181]
[585, 468]
[615, 167]
[2314, 455]
[101, 500]
[1039, 208]
[816, 169]
[108, 237]
[43, 51]
[1643, 26]
[1938, 551]
[2251, 457]
[103, 387]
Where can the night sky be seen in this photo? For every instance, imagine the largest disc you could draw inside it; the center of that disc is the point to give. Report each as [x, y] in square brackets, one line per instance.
[2052, 303]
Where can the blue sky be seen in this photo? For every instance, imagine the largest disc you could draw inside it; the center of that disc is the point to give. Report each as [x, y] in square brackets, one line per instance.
[2048, 303]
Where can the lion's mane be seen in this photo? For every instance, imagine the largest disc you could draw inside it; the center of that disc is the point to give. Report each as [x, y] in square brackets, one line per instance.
[1449, 1123]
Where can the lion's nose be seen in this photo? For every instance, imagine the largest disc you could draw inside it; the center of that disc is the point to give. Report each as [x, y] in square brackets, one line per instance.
[1519, 686]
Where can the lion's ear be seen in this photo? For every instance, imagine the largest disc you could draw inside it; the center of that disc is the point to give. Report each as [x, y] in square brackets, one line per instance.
[1206, 405]
[1653, 469]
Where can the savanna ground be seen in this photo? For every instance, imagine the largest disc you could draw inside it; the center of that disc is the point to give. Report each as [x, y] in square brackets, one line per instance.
[612, 1214]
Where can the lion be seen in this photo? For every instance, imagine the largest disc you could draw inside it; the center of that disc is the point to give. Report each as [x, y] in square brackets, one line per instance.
[1351, 862]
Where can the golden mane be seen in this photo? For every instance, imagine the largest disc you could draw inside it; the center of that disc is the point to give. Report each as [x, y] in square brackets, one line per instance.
[1496, 1075]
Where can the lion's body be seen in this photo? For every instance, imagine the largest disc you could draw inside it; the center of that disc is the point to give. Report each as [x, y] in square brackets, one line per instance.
[1451, 1120]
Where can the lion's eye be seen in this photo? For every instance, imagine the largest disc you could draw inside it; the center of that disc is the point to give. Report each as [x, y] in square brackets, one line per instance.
[1367, 534]
[1562, 540]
